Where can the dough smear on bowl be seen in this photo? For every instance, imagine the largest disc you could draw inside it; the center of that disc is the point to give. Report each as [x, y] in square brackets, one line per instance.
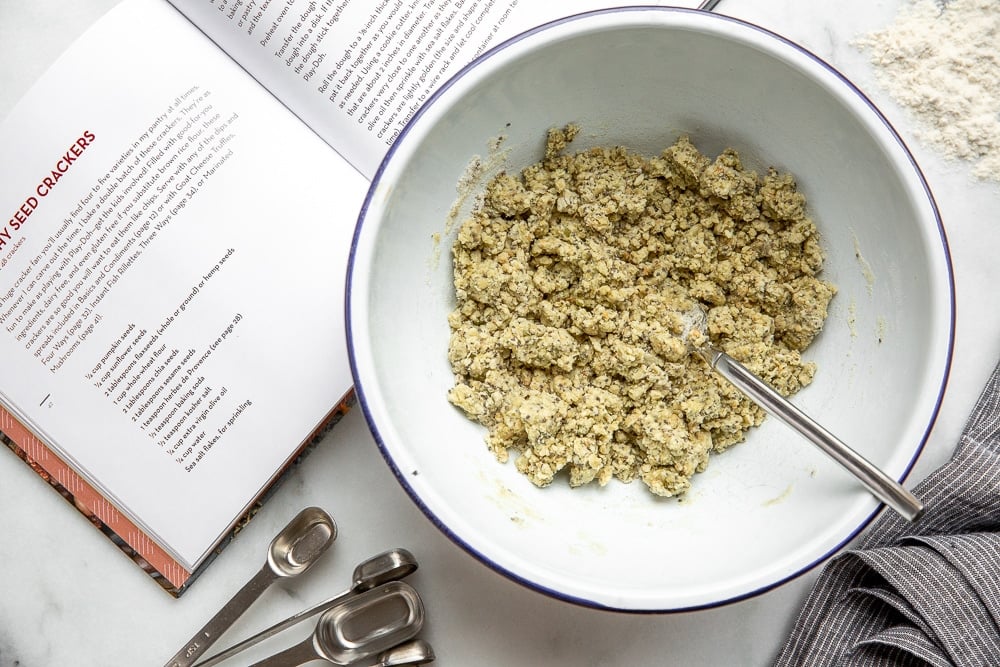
[574, 281]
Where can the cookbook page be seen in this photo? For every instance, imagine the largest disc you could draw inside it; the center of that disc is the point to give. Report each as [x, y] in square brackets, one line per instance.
[171, 274]
[357, 70]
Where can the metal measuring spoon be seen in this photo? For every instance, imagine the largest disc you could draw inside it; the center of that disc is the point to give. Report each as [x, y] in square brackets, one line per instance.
[413, 652]
[292, 551]
[343, 636]
[877, 482]
[391, 565]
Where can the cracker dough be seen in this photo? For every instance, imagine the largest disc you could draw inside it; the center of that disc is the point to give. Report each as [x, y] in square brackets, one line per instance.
[574, 281]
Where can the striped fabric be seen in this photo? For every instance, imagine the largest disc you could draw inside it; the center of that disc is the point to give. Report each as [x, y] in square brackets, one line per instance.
[924, 593]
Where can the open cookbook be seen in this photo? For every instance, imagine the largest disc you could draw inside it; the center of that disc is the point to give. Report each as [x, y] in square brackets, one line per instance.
[180, 190]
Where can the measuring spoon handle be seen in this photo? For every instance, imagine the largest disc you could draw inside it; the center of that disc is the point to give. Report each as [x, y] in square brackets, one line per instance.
[223, 618]
[299, 654]
[274, 629]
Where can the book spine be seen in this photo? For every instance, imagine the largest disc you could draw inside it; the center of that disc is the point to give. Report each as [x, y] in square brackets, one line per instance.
[95, 507]
[132, 541]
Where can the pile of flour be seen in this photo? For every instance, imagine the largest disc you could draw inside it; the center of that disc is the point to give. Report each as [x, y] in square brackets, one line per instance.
[941, 60]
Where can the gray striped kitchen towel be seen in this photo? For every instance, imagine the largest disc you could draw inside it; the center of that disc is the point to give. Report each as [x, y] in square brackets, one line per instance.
[922, 593]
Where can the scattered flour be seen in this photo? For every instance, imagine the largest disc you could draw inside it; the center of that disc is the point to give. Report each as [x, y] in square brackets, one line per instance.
[941, 60]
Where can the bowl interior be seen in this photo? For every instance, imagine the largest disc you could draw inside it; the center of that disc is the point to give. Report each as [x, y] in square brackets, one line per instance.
[768, 508]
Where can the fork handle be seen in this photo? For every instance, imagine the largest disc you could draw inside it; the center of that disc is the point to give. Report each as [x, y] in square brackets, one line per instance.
[878, 483]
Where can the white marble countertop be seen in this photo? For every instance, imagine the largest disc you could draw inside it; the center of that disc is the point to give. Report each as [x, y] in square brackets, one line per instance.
[68, 597]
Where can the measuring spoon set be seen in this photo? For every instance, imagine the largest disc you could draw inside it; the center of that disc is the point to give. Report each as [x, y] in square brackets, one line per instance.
[374, 622]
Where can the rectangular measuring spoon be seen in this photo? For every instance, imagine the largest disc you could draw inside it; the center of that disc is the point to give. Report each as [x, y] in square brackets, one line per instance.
[387, 566]
[362, 626]
[292, 551]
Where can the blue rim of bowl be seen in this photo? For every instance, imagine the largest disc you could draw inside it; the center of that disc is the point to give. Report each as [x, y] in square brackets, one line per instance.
[401, 478]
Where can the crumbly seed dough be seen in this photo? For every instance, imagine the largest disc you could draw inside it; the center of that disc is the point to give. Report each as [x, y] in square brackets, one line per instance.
[575, 280]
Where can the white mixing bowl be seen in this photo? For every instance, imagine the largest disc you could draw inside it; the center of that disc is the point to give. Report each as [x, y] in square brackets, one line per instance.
[767, 509]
